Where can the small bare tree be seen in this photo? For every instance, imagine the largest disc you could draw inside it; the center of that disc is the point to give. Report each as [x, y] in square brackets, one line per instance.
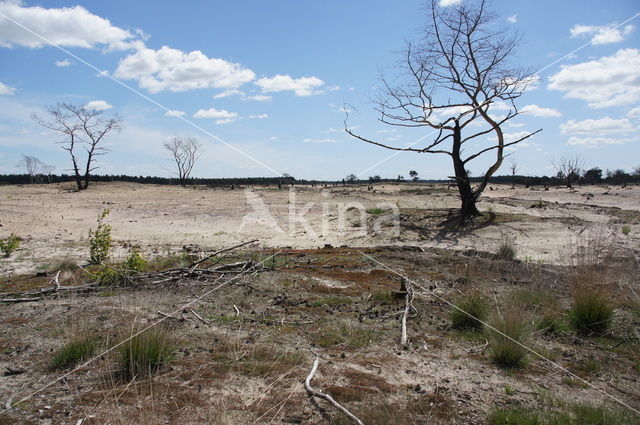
[513, 167]
[568, 168]
[80, 127]
[32, 165]
[458, 75]
[185, 151]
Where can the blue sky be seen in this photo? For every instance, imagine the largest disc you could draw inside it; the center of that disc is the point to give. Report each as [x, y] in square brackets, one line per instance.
[271, 79]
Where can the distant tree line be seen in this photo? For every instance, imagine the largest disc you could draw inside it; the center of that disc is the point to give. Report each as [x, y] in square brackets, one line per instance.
[590, 176]
[62, 178]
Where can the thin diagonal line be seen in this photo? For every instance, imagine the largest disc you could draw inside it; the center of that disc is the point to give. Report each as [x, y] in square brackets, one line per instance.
[178, 310]
[544, 68]
[147, 98]
[432, 293]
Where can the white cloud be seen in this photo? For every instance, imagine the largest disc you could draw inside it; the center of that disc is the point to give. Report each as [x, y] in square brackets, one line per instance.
[223, 116]
[608, 81]
[63, 63]
[174, 113]
[175, 70]
[634, 113]
[601, 34]
[259, 98]
[596, 141]
[258, 116]
[4, 89]
[599, 127]
[515, 124]
[227, 93]
[513, 18]
[98, 105]
[445, 3]
[538, 111]
[304, 86]
[319, 141]
[68, 27]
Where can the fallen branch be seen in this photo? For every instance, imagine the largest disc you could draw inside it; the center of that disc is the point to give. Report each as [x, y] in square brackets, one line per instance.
[193, 266]
[326, 397]
[408, 299]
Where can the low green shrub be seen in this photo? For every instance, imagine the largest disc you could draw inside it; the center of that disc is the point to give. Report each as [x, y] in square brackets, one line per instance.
[9, 245]
[135, 262]
[100, 240]
[470, 311]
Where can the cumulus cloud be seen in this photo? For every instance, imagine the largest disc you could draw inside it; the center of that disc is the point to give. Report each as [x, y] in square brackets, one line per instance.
[6, 90]
[596, 141]
[176, 71]
[259, 98]
[600, 127]
[63, 63]
[601, 34]
[445, 3]
[608, 81]
[227, 93]
[174, 113]
[304, 86]
[98, 105]
[538, 111]
[68, 27]
[221, 115]
[634, 113]
[319, 141]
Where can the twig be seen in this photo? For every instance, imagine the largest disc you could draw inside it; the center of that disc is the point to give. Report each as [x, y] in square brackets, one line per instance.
[326, 397]
[236, 309]
[206, 322]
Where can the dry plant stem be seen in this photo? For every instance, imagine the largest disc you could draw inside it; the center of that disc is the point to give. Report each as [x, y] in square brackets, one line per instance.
[326, 397]
[408, 299]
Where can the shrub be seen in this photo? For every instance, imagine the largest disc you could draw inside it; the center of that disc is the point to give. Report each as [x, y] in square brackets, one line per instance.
[510, 330]
[146, 353]
[100, 239]
[75, 351]
[591, 312]
[470, 311]
[626, 230]
[9, 245]
[135, 262]
[375, 211]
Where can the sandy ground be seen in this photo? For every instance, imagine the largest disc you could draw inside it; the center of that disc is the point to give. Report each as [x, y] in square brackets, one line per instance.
[543, 225]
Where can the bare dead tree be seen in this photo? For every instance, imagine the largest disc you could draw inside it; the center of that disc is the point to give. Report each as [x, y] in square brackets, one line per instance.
[568, 168]
[513, 167]
[80, 127]
[458, 75]
[32, 165]
[185, 152]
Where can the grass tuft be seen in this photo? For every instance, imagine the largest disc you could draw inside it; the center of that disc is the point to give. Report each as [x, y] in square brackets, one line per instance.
[591, 312]
[74, 351]
[511, 329]
[472, 309]
[146, 353]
